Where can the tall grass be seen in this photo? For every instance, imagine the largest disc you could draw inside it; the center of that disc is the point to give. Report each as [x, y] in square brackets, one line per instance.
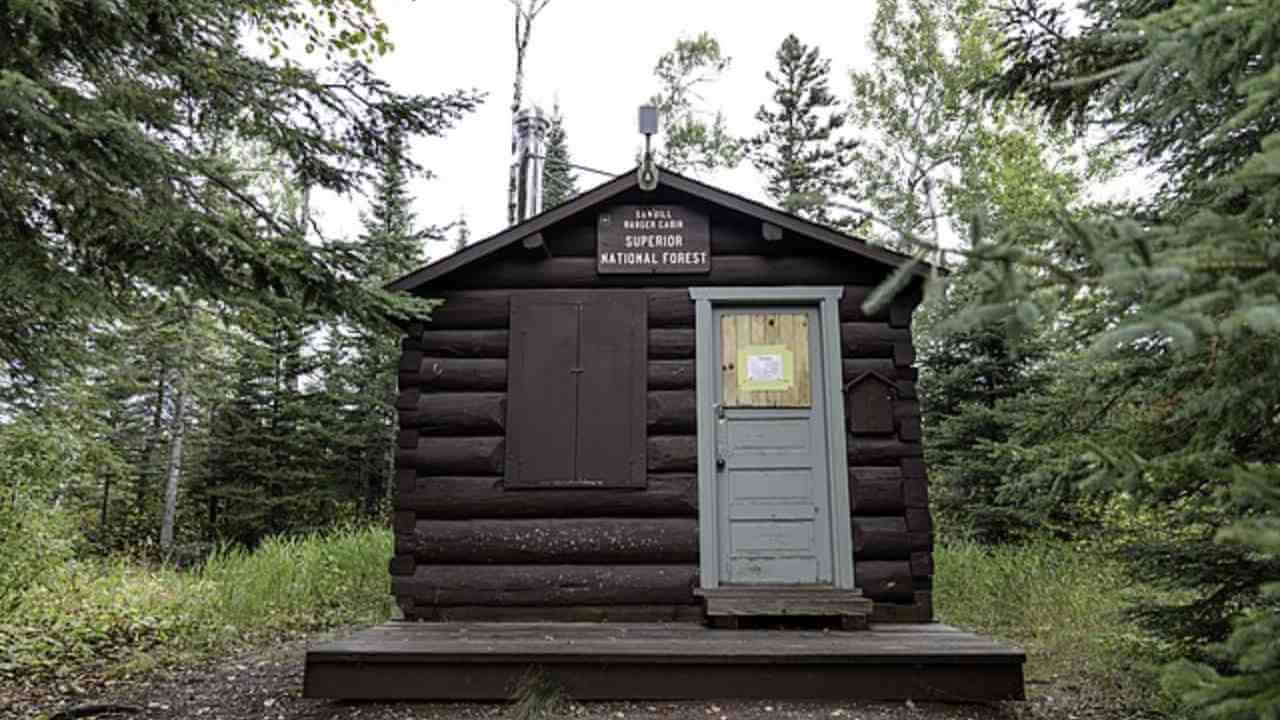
[1064, 605]
[116, 610]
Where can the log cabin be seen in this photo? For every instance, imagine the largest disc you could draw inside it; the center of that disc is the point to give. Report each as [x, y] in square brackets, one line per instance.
[663, 405]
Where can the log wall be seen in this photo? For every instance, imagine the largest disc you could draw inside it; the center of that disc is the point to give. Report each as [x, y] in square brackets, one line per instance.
[467, 547]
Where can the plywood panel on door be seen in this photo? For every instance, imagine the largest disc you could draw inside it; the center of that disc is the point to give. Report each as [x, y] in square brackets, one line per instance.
[765, 359]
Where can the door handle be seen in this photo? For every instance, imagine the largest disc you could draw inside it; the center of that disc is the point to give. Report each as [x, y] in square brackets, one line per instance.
[720, 463]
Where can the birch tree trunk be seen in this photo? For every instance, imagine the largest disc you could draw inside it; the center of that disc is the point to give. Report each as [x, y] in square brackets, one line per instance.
[149, 439]
[175, 460]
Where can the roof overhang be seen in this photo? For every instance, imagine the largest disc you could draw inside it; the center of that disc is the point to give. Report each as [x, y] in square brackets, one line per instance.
[630, 180]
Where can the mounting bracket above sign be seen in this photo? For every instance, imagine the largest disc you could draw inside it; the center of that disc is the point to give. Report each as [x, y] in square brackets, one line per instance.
[647, 239]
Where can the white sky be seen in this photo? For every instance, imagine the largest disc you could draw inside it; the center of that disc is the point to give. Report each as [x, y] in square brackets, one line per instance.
[597, 58]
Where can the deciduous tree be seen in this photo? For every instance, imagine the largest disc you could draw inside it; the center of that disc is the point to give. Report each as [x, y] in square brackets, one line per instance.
[695, 138]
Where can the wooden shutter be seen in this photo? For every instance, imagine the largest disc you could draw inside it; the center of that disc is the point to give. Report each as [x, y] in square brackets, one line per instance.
[611, 391]
[576, 390]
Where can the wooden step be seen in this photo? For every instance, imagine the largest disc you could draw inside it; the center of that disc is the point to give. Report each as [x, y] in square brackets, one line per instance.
[787, 600]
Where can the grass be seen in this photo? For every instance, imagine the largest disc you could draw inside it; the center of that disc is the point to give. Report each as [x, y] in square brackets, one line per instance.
[1062, 604]
[537, 697]
[135, 616]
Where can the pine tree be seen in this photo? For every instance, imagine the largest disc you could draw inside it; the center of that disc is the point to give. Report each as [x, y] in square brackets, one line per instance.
[131, 198]
[393, 244]
[391, 241]
[559, 182]
[1190, 282]
[463, 238]
[800, 152]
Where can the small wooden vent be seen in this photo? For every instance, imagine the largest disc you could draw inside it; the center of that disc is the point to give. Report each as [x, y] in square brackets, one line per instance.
[869, 404]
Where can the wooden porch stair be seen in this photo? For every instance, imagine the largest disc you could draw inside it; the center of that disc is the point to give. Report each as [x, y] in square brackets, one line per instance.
[598, 661]
[726, 604]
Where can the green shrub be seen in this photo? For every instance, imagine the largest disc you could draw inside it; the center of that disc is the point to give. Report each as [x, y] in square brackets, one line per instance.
[32, 545]
[118, 610]
[1064, 604]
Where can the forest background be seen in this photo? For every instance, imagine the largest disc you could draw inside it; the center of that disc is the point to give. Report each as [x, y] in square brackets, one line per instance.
[196, 377]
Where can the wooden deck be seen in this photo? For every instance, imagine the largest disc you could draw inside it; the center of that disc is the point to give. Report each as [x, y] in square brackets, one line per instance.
[483, 661]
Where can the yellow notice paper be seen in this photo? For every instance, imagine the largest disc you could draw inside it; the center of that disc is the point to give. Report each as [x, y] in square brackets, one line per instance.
[763, 368]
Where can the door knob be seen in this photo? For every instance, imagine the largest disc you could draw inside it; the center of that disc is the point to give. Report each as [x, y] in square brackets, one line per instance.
[720, 463]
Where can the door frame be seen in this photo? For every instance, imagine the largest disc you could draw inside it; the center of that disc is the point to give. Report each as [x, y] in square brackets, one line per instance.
[827, 300]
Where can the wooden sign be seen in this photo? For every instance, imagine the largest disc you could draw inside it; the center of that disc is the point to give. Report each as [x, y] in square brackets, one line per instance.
[646, 239]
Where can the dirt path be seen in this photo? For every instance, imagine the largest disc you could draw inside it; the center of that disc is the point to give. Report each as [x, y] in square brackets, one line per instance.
[267, 685]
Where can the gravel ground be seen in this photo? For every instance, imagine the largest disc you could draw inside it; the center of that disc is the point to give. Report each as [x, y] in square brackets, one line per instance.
[267, 685]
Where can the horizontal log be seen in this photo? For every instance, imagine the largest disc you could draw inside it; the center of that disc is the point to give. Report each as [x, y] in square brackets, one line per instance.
[921, 563]
[879, 451]
[401, 565]
[915, 492]
[853, 367]
[548, 585]
[408, 399]
[900, 313]
[489, 309]
[909, 429]
[570, 541]
[673, 411]
[455, 413]
[919, 520]
[484, 497]
[871, 339]
[673, 308]
[906, 408]
[454, 456]
[679, 453]
[570, 613]
[913, 467]
[484, 455]
[904, 353]
[919, 610]
[851, 305]
[876, 491]
[402, 521]
[459, 343]
[472, 310]
[672, 375]
[670, 308]
[888, 580]
[879, 538]
[531, 271]
[457, 374]
[671, 344]
[673, 453]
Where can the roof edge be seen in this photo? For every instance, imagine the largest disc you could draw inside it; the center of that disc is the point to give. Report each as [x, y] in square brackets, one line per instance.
[628, 180]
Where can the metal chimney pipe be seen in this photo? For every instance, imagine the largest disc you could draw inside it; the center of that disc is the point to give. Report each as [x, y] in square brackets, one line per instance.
[530, 129]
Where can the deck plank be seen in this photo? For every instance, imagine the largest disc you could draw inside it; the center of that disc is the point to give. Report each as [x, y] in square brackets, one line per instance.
[474, 660]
